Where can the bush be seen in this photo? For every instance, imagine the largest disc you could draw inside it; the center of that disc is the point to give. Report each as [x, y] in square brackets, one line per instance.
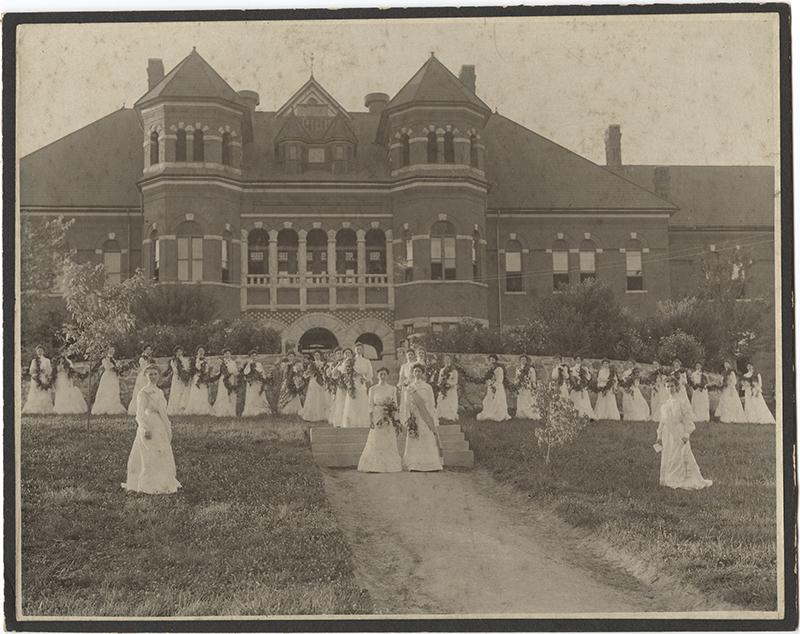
[467, 336]
[680, 346]
[177, 305]
[244, 334]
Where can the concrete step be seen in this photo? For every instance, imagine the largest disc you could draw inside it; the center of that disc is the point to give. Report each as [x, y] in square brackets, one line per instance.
[340, 439]
[347, 434]
[332, 459]
[358, 447]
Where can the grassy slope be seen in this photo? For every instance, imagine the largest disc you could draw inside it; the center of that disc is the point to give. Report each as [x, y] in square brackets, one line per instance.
[250, 533]
[722, 539]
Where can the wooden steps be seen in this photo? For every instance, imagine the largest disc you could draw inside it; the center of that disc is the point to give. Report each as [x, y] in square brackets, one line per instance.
[342, 447]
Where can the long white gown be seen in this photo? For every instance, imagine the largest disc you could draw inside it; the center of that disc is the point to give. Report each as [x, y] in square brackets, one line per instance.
[406, 376]
[679, 469]
[316, 406]
[682, 383]
[178, 390]
[658, 397]
[606, 406]
[560, 376]
[341, 396]
[634, 405]
[288, 403]
[380, 454]
[357, 408]
[580, 398]
[225, 402]
[255, 401]
[730, 408]
[151, 465]
[755, 407]
[421, 454]
[525, 378]
[198, 404]
[141, 381]
[700, 405]
[106, 401]
[68, 398]
[447, 406]
[39, 401]
[495, 404]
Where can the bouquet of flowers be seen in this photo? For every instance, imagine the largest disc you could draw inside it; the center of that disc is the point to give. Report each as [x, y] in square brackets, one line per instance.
[43, 382]
[390, 416]
[444, 378]
[412, 426]
[349, 376]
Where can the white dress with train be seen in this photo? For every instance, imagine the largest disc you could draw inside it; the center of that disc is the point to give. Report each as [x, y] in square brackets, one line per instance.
[730, 408]
[447, 405]
[225, 402]
[495, 404]
[380, 454]
[68, 398]
[755, 407]
[106, 401]
[39, 401]
[357, 407]
[421, 453]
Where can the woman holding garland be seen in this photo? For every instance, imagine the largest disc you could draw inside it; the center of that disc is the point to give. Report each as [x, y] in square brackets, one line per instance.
[380, 454]
[106, 401]
[406, 376]
[68, 398]
[255, 399]
[525, 380]
[330, 385]
[634, 405]
[698, 382]
[291, 389]
[198, 403]
[560, 376]
[145, 359]
[423, 447]
[730, 408]
[495, 405]
[40, 399]
[605, 408]
[337, 376]
[447, 403]
[316, 406]
[181, 380]
[225, 402]
[579, 377]
[358, 375]
[681, 380]
[755, 408]
[659, 393]
[151, 465]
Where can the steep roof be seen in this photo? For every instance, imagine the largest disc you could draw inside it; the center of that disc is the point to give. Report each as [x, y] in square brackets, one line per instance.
[292, 129]
[528, 171]
[311, 88]
[339, 129]
[96, 166]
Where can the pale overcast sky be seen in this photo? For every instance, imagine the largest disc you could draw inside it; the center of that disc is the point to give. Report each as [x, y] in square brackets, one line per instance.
[685, 89]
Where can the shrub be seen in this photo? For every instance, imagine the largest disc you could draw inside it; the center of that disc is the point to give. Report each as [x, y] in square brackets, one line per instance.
[562, 422]
[680, 346]
[244, 334]
[177, 305]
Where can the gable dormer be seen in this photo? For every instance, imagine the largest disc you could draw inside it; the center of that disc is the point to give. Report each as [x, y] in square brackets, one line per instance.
[314, 108]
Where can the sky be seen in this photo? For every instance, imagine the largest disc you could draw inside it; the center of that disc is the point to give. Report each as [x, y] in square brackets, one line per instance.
[685, 89]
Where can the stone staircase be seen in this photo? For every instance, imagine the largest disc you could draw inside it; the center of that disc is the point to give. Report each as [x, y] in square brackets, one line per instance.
[342, 447]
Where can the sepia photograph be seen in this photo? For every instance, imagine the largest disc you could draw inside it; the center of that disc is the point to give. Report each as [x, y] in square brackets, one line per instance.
[420, 315]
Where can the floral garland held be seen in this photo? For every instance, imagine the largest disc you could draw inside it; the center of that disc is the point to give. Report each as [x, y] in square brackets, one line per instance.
[263, 378]
[184, 374]
[390, 416]
[581, 382]
[349, 375]
[226, 378]
[293, 387]
[443, 384]
[43, 382]
[317, 373]
[610, 383]
[701, 385]
[204, 374]
[627, 382]
[72, 373]
[525, 382]
[412, 426]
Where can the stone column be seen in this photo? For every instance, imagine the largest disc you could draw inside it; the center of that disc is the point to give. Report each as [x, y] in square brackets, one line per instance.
[302, 265]
[273, 269]
[361, 269]
[332, 268]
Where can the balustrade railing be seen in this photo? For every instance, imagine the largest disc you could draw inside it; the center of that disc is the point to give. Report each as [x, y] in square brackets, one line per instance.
[316, 280]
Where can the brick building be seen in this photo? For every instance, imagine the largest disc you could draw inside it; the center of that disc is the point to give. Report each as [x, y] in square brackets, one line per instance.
[339, 226]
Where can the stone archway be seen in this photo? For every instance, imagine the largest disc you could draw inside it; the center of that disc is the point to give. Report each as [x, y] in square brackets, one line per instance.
[375, 328]
[318, 321]
[317, 339]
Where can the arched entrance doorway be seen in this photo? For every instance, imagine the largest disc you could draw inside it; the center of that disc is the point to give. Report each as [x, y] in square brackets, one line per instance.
[317, 339]
[373, 346]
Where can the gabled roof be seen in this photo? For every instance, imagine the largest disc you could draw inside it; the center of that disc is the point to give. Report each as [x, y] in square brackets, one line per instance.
[292, 129]
[339, 129]
[192, 78]
[530, 172]
[311, 88]
[96, 166]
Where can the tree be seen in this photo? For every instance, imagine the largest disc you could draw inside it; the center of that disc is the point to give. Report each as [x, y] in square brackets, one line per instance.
[43, 251]
[562, 422]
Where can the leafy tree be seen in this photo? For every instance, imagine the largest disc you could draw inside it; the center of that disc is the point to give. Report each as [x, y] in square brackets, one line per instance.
[562, 422]
[177, 305]
[680, 345]
[43, 252]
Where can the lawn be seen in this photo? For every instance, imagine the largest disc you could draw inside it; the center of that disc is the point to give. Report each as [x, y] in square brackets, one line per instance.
[722, 540]
[250, 533]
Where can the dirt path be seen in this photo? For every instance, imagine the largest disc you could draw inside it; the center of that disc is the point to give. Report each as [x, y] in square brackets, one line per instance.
[442, 543]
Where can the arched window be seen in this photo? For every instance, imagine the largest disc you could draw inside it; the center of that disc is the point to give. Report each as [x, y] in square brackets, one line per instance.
[154, 153]
[514, 267]
[317, 252]
[180, 145]
[257, 252]
[405, 144]
[190, 251]
[155, 251]
[199, 151]
[376, 252]
[443, 251]
[288, 244]
[560, 264]
[587, 259]
[473, 151]
[408, 256]
[476, 255]
[449, 148]
[433, 148]
[633, 258]
[112, 260]
[226, 254]
[226, 148]
[346, 252]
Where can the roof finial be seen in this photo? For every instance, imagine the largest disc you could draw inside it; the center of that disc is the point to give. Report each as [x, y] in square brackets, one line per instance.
[433, 54]
[194, 49]
[312, 64]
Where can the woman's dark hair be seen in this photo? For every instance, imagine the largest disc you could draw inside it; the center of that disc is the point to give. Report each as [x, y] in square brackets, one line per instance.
[418, 365]
[152, 366]
[382, 369]
[670, 381]
[338, 349]
[224, 350]
[176, 348]
[252, 353]
[675, 360]
[350, 350]
[198, 349]
[606, 361]
[493, 356]
[524, 356]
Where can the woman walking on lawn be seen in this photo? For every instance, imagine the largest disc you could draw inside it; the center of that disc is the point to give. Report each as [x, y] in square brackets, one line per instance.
[106, 401]
[40, 399]
[606, 406]
[255, 399]
[151, 466]
[316, 407]
[679, 469]
[495, 405]
[525, 380]
[579, 377]
[755, 408]
[68, 398]
[358, 376]
[181, 378]
[730, 408]
[698, 383]
[225, 402]
[145, 359]
[380, 454]
[198, 393]
[447, 404]
[423, 447]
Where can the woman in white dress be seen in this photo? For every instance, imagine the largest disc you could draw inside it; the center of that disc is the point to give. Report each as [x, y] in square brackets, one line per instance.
[423, 446]
[447, 402]
[560, 376]
[316, 406]
[699, 382]
[406, 376]
[151, 465]
[255, 399]
[495, 405]
[40, 398]
[337, 376]
[658, 391]
[225, 402]
[525, 380]
[68, 398]
[634, 405]
[679, 469]
[358, 376]
[199, 404]
[679, 374]
[106, 401]
[380, 454]
[579, 377]
[291, 389]
[755, 408]
[145, 359]
[606, 406]
[181, 381]
[730, 408]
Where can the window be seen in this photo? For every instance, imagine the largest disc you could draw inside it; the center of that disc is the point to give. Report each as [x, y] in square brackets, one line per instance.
[199, 150]
[514, 267]
[226, 148]
[560, 264]
[180, 145]
[633, 257]
[317, 252]
[288, 244]
[226, 250]
[112, 260]
[346, 252]
[408, 329]
[433, 148]
[339, 153]
[449, 148]
[376, 252]
[293, 152]
[587, 257]
[408, 256]
[257, 252]
[476, 254]
[473, 151]
[155, 250]
[443, 251]
[154, 148]
[405, 143]
[190, 251]
[316, 155]
[437, 326]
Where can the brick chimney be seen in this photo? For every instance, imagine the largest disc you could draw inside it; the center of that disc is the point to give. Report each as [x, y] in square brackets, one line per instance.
[155, 72]
[613, 146]
[467, 76]
[376, 102]
[661, 181]
[250, 97]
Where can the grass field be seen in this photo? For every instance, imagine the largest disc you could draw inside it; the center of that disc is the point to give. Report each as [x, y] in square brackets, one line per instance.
[722, 540]
[251, 532]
